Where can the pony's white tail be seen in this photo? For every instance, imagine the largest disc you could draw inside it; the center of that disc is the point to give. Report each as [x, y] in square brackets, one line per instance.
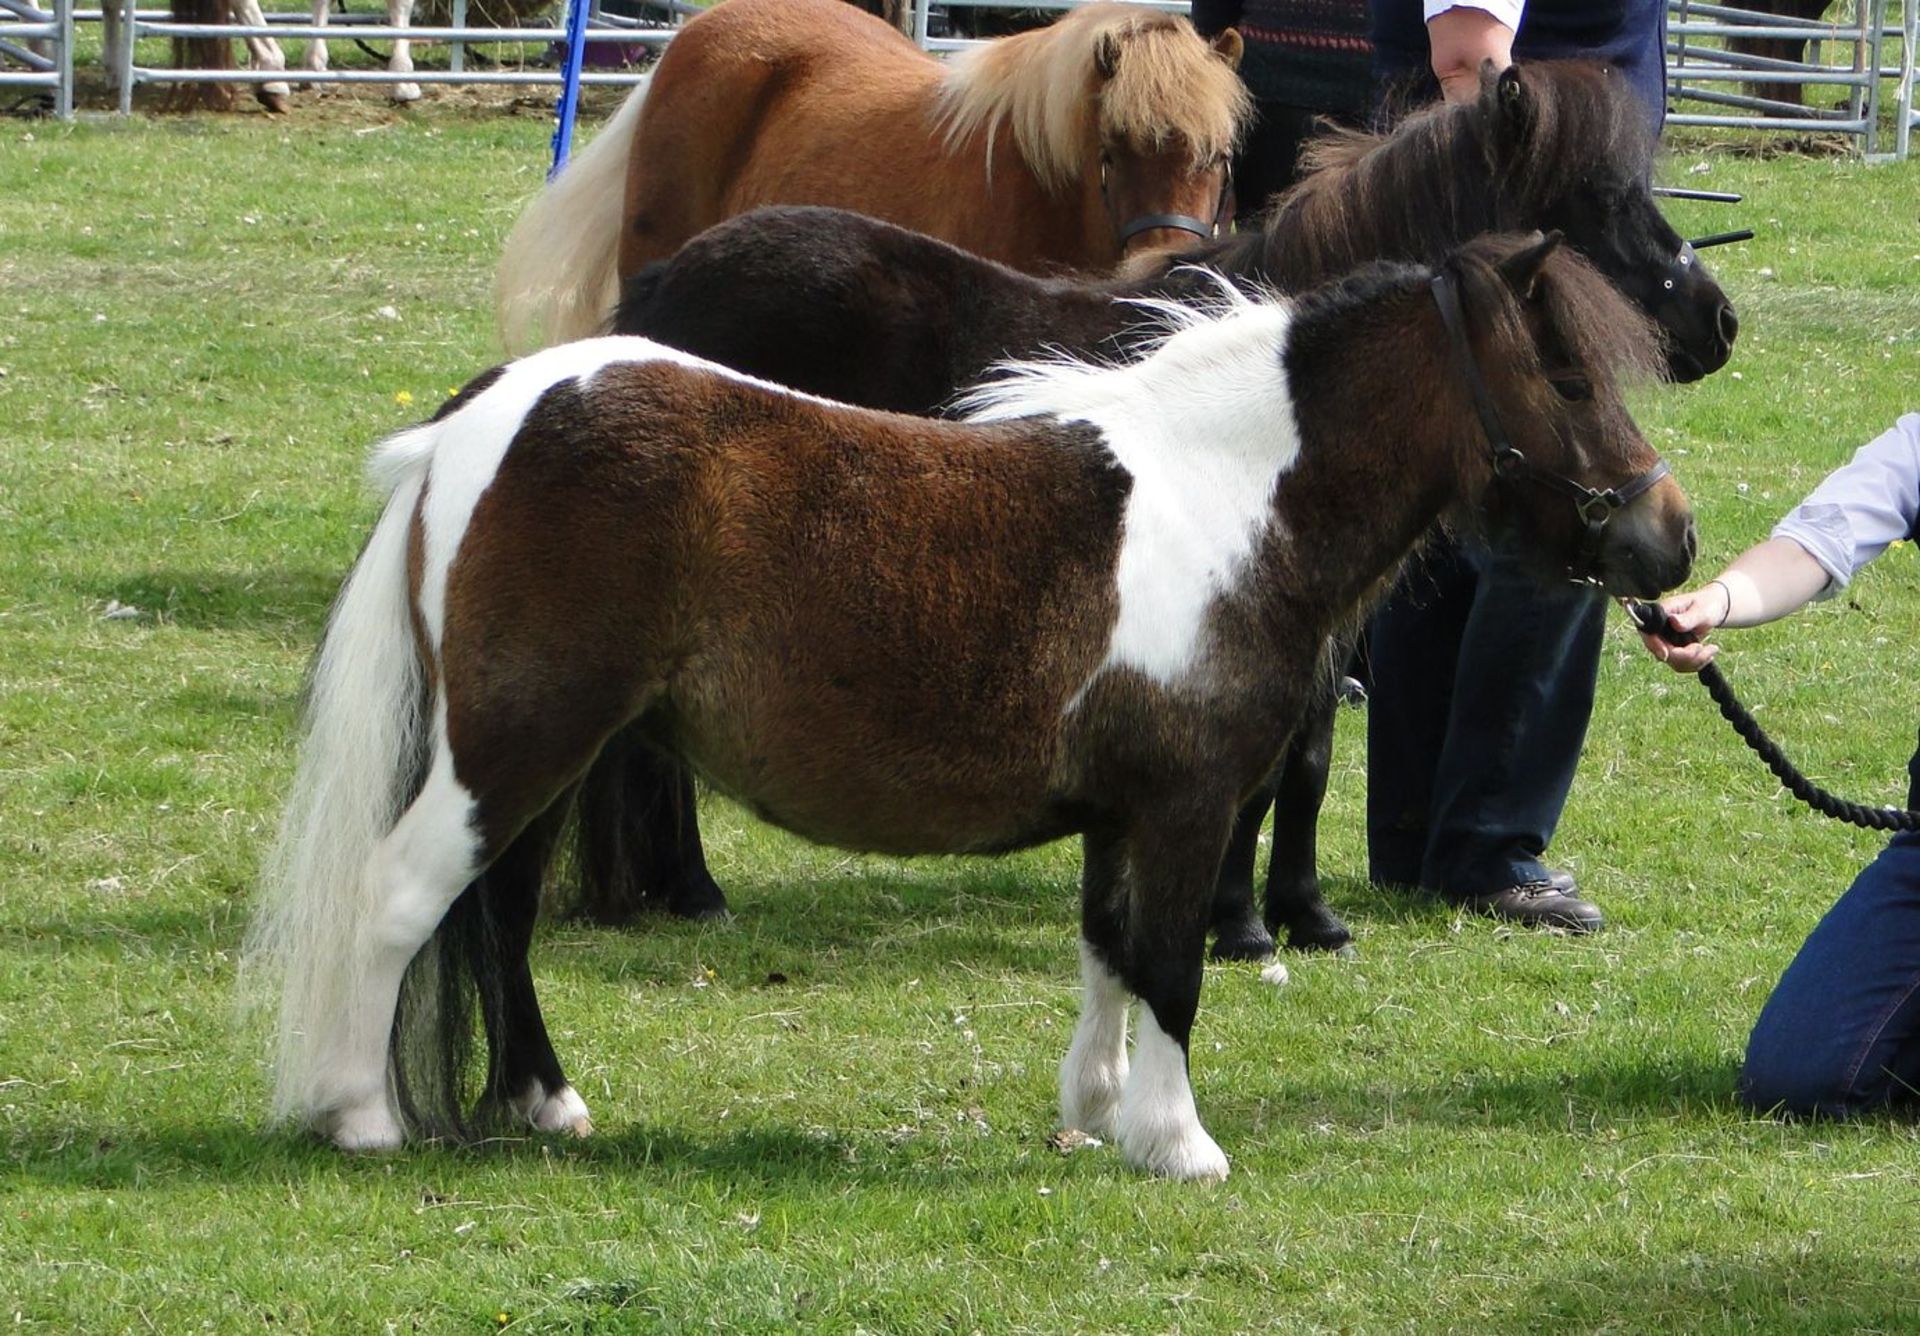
[365, 734]
[559, 275]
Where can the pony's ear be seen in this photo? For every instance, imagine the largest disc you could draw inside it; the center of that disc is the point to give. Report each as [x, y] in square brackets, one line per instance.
[1522, 269]
[1511, 96]
[1106, 54]
[1229, 46]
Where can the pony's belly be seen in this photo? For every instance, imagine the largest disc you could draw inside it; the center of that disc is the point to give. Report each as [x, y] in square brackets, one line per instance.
[841, 793]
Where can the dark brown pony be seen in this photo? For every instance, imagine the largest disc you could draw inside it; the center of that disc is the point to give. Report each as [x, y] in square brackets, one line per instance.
[1092, 607]
[1106, 133]
[854, 309]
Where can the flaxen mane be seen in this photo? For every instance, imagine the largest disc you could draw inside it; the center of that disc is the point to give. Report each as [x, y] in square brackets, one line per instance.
[1167, 84]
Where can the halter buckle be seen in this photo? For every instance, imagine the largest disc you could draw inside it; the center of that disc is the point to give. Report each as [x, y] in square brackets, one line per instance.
[1598, 507]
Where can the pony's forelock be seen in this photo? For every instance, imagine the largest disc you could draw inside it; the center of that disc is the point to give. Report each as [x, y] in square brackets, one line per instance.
[1167, 85]
[1599, 328]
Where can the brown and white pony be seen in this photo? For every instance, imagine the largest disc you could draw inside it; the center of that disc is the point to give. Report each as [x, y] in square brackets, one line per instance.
[1093, 607]
[1107, 133]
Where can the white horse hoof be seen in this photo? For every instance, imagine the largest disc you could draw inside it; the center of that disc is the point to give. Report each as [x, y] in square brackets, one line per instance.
[561, 1111]
[369, 1127]
[406, 92]
[1192, 1158]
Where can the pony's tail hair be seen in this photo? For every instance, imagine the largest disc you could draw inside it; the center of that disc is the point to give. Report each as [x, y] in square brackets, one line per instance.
[559, 273]
[361, 761]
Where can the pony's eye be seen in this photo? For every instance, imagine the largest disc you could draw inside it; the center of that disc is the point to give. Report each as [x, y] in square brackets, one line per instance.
[1574, 389]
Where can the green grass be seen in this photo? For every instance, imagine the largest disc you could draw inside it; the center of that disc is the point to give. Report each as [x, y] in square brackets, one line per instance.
[1466, 1129]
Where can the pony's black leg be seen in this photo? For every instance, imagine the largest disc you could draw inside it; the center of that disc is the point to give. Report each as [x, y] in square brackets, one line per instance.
[1294, 903]
[639, 838]
[1238, 932]
[1145, 906]
[524, 1076]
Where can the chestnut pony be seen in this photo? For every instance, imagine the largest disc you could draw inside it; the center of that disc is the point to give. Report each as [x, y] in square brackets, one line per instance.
[854, 309]
[1066, 147]
[1094, 606]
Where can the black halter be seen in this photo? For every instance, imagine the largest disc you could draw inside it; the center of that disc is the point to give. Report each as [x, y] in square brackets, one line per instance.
[1182, 222]
[1595, 506]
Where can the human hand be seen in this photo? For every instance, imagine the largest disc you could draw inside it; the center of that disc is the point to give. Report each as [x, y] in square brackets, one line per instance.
[1694, 614]
[1460, 40]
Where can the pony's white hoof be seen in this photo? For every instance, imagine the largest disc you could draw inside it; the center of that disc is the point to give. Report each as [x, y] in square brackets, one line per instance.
[1188, 1157]
[407, 92]
[369, 1127]
[561, 1111]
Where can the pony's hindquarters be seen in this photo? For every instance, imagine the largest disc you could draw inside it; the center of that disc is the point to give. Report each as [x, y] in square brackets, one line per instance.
[361, 760]
[558, 278]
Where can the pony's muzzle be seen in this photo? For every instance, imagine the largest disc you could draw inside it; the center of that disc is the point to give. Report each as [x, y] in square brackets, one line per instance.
[1649, 547]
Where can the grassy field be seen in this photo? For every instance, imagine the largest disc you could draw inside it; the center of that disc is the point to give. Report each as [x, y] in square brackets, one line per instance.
[833, 1112]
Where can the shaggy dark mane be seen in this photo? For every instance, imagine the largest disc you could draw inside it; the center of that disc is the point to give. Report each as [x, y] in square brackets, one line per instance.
[1533, 134]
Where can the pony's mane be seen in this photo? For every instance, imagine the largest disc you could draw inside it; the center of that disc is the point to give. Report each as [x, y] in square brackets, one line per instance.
[1044, 86]
[1213, 329]
[1461, 169]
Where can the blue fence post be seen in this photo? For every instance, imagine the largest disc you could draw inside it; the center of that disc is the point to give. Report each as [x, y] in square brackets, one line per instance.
[569, 106]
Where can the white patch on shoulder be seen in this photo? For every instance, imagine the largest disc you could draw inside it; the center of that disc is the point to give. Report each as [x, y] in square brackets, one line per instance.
[1205, 425]
[468, 444]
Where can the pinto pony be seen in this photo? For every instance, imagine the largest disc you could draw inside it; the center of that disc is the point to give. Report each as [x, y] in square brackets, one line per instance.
[854, 309]
[1092, 607]
[1106, 133]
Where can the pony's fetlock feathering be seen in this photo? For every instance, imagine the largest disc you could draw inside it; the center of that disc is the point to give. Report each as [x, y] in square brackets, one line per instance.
[892, 634]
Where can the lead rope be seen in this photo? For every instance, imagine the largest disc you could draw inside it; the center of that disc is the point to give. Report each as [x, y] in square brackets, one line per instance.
[1650, 620]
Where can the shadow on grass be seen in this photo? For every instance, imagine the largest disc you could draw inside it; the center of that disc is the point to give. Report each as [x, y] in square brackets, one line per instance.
[292, 603]
[1602, 1089]
[757, 1158]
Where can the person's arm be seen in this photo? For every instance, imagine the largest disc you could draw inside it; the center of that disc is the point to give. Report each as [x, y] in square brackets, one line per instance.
[1766, 582]
[1463, 37]
[1848, 520]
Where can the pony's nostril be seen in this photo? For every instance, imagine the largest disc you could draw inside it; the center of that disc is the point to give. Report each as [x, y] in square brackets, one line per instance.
[1729, 325]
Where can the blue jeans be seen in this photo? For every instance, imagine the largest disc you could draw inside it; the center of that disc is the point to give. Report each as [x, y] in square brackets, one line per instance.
[1841, 1033]
[1483, 678]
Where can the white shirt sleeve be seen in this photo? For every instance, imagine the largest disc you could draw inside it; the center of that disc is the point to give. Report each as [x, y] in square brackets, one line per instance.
[1507, 11]
[1862, 506]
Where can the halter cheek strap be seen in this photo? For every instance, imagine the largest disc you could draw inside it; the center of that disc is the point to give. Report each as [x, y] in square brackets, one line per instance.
[1184, 222]
[1595, 506]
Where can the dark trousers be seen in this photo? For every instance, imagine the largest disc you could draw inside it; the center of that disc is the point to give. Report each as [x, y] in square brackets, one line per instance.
[1841, 1033]
[1482, 683]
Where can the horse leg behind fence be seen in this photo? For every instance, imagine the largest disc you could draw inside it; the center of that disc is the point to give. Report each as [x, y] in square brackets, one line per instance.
[202, 53]
[400, 61]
